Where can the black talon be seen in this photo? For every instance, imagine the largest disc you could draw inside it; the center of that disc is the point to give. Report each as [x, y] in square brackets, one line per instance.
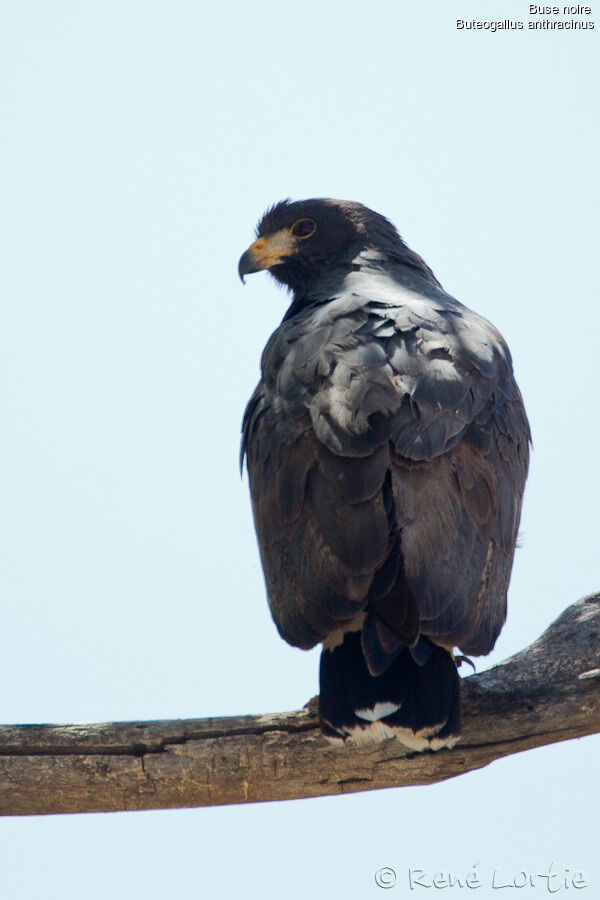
[459, 660]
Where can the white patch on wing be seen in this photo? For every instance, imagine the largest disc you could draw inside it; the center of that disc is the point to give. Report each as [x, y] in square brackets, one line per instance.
[378, 285]
[336, 638]
[379, 711]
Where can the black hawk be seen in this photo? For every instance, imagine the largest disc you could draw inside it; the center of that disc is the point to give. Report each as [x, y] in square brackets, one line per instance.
[387, 449]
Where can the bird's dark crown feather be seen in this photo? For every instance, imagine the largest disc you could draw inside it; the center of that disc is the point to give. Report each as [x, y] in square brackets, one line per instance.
[344, 229]
[365, 220]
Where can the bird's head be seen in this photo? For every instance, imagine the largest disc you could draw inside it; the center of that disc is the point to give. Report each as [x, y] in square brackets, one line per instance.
[300, 241]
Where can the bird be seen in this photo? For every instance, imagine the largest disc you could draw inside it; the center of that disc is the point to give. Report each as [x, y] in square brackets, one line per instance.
[387, 449]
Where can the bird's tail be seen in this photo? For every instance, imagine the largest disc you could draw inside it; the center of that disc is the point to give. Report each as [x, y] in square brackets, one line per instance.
[414, 695]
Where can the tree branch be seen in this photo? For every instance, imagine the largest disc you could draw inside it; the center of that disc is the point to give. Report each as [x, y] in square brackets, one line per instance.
[549, 692]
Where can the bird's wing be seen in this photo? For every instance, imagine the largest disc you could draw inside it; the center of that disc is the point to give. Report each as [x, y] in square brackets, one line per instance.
[320, 516]
[461, 454]
[387, 451]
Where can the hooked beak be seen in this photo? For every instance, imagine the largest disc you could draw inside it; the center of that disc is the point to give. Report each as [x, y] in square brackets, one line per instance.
[248, 264]
[266, 252]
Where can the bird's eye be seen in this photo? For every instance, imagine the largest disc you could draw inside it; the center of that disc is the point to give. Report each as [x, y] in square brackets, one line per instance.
[303, 228]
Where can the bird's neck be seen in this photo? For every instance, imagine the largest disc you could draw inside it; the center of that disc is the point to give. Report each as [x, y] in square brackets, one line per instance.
[397, 263]
[397, 260]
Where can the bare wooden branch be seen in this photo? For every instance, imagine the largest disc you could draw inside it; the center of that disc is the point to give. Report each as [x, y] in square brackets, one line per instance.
[549, 692]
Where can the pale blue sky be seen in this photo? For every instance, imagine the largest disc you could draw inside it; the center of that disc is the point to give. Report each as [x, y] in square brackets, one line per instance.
[141, 141]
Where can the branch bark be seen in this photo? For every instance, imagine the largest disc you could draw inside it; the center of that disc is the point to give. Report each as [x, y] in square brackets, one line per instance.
[547, 693]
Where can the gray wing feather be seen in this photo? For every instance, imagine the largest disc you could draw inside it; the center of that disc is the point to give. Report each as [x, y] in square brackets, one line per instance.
[366, 392]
